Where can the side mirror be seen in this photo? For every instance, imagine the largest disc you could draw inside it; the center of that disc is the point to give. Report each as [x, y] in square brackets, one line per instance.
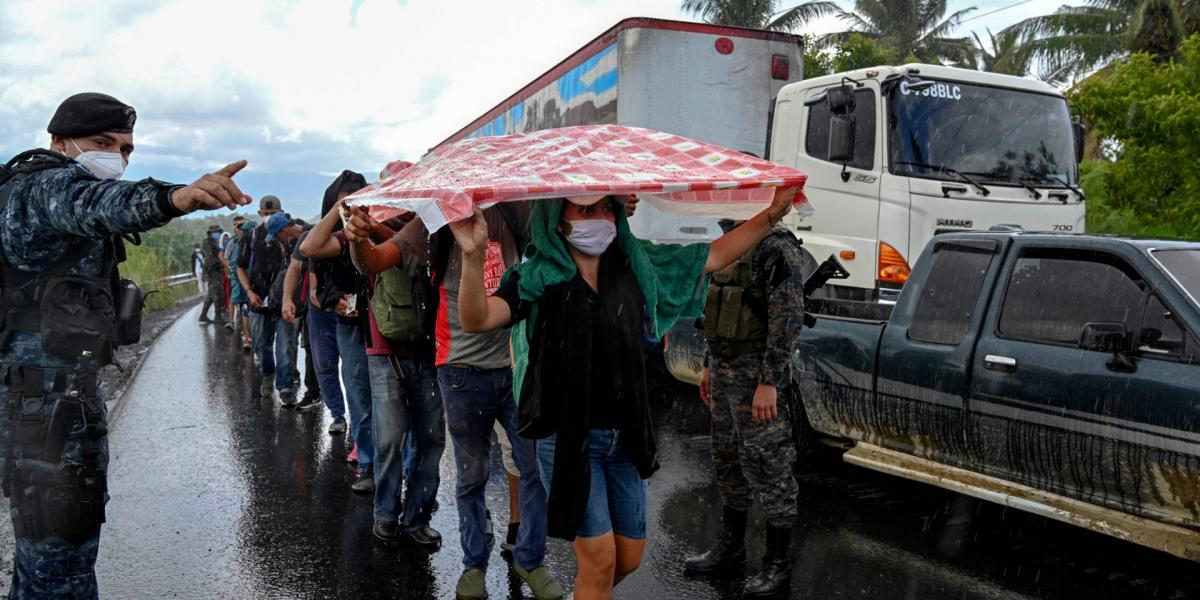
[841, 138]
[1109, 337]
[1080, 131]
[841, 99]
[1104, 337]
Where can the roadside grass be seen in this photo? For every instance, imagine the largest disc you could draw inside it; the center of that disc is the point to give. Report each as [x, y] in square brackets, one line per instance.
[146, 267]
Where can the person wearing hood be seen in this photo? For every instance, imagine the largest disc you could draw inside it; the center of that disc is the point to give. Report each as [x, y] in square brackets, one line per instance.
[213, 269]
[581, 305]
[336, 318]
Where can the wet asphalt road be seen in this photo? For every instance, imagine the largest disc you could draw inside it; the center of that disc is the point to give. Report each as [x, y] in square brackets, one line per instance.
[218, 495]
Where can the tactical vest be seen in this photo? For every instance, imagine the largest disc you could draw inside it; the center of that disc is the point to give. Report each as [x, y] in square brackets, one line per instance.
[735, 314]
[72, 314]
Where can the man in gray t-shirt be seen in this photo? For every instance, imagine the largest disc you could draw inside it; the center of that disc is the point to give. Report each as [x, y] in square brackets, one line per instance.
[475, 377]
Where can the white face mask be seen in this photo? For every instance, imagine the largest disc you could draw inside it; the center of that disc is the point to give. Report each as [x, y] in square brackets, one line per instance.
[104, 165]
[593, 236]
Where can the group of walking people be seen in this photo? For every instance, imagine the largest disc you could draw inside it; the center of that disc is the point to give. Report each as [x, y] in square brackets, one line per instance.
[525, 326]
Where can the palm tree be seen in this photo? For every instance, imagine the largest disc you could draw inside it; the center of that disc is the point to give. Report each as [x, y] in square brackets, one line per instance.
[1008, 53]
[913, 29]
[1084, 38]
[759, 14]
[1003, 53]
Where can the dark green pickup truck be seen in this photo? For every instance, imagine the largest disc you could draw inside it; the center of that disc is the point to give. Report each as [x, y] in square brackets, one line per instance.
[1052, 373]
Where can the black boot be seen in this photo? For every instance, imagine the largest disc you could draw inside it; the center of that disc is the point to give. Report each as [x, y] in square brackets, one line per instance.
[730, 549]
[776, 568]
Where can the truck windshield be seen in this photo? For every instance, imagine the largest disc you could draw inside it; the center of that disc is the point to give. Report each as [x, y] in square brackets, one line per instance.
[1002, 135]
[1184, 266]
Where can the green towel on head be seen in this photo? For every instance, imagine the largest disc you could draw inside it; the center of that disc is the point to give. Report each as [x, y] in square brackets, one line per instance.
[671, 277]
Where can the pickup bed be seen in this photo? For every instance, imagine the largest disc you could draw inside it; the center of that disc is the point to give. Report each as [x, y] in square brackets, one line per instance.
[1053, 373]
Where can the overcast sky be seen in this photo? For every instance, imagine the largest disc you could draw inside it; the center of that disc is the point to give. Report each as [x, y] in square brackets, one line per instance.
[303, 88]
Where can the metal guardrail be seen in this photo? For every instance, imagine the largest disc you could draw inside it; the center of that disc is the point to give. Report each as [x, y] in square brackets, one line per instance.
[177, 280]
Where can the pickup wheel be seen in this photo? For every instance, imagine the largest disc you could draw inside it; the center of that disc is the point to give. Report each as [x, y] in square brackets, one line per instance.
[803, 434]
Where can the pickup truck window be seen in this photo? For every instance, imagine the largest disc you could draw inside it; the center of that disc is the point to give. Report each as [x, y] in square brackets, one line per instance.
[1053, 293]
[816, 139]
[948, 297]
[1184, 267]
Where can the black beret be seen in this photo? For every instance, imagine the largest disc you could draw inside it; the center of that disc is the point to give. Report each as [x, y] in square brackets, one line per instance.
[91, 113]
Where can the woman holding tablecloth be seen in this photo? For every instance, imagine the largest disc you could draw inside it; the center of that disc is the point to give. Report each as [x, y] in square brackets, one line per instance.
[582, 306]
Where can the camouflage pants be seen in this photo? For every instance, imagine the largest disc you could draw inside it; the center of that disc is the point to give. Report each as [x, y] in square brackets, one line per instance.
[215, 296]
[753, 460]
[51, 567]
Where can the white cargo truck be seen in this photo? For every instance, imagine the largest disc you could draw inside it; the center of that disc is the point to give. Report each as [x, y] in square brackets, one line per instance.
[711, 83]
[895, 155]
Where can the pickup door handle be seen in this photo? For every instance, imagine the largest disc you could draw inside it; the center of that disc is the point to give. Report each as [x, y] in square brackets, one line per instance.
[1000, 363]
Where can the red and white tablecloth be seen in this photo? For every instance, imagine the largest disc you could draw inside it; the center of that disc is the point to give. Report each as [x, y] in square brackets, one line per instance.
[673, 173]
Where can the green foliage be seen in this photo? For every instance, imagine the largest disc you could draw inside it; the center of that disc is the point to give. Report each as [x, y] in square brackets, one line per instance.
[759, 14]
[913, 30]
[168, 251]
[817, 62]
[857, 51]
[1149, 113]
[1079, 39]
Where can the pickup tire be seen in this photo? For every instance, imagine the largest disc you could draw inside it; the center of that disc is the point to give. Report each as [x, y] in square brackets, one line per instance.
[804, 436]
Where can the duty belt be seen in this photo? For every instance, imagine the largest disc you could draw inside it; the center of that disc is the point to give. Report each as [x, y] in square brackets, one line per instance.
[733, 349]
[54, 496]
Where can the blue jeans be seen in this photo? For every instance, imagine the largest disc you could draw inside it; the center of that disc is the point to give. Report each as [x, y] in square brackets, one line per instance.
[352, 348]
[475, 400]
[617, 500]
[401, 405]
[275, 345]
[322, 341]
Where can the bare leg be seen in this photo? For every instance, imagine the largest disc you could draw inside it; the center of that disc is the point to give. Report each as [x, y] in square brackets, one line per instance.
[629, 557]
[597, 559]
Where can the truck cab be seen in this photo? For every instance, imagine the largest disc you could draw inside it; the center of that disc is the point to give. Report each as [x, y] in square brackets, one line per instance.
[896, 155]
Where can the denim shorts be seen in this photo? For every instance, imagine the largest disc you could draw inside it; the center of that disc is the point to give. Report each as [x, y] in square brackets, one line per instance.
[617, 501]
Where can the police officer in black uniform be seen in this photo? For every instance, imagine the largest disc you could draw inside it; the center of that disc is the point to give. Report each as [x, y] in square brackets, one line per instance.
[64, 217]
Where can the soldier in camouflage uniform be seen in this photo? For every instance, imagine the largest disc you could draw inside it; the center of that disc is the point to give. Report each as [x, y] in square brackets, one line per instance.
[753, 316]
[213, 270]
[64, 210]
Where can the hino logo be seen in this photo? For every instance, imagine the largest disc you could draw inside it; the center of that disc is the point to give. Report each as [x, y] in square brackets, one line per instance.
[963, 223]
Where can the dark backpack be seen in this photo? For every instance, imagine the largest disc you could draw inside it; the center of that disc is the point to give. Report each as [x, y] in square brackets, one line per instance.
[71, 314]
[404, 305]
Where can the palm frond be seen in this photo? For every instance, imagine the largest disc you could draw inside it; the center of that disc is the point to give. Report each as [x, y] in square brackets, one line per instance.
[799, 15]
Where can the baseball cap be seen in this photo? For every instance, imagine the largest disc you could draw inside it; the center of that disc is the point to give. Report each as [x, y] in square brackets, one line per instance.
[270, 202]
[249, 225]
[278, 222]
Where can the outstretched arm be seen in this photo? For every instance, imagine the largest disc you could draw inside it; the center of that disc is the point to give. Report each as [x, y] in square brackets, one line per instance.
[319, 242]
[369, 257]
[727, 248]
[477, 312]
